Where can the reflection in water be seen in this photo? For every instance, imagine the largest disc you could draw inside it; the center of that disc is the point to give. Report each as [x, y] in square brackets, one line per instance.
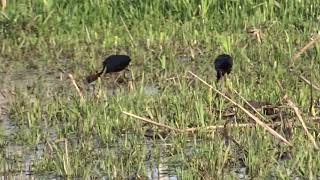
[163, 170]
[151, 89]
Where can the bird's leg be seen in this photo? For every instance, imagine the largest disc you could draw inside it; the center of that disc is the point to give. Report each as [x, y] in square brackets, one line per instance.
[117, 78]
[225, 78]
[124, 74]
[218, 75]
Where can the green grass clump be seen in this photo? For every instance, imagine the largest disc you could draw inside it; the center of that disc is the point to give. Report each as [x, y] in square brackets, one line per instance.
[65, 135]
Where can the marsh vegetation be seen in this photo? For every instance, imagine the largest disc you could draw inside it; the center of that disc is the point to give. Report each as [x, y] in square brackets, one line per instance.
[158, 119]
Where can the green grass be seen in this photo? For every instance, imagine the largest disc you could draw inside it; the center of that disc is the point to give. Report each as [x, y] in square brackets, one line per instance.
[42, 41]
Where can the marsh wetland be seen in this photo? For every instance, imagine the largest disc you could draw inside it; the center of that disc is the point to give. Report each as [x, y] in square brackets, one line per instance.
[165, 116]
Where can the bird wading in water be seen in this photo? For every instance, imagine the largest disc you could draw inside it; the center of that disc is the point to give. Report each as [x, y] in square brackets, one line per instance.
[113, 63]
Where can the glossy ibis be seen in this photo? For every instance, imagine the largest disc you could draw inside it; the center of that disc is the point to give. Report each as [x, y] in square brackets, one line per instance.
[223, 64]
[113, 63]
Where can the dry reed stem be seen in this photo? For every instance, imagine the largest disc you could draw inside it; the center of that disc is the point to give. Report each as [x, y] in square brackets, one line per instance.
[215, 127]
[3, 4]
[298, 54]
[254, 109]
[195, 128]
[297, 111]
[66, 163]
[305, 48]
[305, 80]
[151, 122]
[76, 86]
[126, 27]
[258, 121]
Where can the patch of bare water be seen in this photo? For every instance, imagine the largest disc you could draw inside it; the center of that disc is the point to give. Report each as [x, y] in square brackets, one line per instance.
[165, 169]
[9, 150]
[151, 89]
[17, 158]
[184, 58]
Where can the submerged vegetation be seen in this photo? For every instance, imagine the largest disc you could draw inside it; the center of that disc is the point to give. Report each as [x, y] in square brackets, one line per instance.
[52, 129]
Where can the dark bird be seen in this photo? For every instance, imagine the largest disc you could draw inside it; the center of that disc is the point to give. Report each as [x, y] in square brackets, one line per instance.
[113, 63]
[223, 64]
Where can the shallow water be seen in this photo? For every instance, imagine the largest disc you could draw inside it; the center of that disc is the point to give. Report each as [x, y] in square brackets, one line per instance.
[19, 159]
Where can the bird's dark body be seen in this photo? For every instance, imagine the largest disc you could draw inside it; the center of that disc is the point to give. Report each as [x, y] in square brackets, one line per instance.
[113, 63]
[223, 64]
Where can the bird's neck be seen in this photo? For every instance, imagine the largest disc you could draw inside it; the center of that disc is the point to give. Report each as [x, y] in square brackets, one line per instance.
[102, 71]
